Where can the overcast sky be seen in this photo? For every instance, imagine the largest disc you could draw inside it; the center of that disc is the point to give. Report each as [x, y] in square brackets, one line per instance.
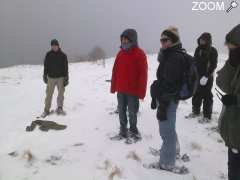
[27, 26]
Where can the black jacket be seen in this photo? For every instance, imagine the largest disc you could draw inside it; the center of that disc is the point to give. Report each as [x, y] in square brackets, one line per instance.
[56, 64]
[206, 56]
[170, 70]
[206, 60]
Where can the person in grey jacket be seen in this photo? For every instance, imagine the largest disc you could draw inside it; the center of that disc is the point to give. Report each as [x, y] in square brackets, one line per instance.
[228, 80]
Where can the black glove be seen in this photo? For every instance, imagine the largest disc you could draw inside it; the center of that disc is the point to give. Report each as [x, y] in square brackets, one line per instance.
[45, 79]
[154, 104]
[65, 81]
[229, 100]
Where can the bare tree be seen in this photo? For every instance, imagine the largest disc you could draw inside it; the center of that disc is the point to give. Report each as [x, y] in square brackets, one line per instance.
[97, 53]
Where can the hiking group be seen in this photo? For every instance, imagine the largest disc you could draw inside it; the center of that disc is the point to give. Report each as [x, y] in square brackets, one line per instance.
[179, 77]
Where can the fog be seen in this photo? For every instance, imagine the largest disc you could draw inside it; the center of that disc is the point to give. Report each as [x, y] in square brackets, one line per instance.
[27, 26]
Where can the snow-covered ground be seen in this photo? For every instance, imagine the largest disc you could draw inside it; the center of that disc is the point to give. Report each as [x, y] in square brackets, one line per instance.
[83, 151]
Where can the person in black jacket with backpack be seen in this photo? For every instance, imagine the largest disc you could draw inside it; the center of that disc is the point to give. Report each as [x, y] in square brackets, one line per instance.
[164, 92]
[206, 62]
[55, 75]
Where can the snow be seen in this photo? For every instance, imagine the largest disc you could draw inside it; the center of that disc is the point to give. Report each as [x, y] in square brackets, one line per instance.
[84, 149]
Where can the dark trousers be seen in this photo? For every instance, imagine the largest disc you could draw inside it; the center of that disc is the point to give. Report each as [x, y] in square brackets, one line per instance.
[233, 165]
[130, 103]
[204, 97]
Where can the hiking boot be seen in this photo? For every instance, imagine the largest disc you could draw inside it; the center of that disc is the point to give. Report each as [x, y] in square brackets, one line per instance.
[135, 135]
[204, 120]
[45, 114]
[60, 111]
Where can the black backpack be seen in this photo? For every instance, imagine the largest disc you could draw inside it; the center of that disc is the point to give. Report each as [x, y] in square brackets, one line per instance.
[190, 80]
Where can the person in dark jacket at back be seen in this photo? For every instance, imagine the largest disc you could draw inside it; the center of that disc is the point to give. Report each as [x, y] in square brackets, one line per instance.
[206, 57]
[170, 75]
[228, 80]
[55, 75]
[129, 80]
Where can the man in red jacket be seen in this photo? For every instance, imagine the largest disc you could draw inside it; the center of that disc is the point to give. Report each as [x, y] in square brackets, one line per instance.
[129, 80]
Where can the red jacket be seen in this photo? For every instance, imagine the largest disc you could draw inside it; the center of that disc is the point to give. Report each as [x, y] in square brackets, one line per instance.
[129, 73]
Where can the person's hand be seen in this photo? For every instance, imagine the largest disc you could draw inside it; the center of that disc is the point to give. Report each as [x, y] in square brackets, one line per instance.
[229, 100]
[65, 81]
[203, 81]
[45, 79]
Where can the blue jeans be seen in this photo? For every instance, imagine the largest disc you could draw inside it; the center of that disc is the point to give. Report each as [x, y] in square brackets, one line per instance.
[130, 103]
[170, 147]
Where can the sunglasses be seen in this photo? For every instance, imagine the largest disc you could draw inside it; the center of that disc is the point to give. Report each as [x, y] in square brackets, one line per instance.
[164, 40]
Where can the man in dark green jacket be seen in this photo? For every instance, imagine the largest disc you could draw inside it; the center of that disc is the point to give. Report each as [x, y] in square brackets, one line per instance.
[228, 81]
[55, 75]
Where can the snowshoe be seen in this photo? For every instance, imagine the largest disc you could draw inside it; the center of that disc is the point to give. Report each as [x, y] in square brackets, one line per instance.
[185, 158]
[204, 120]
[114, 112]
[192, 116]
[155, 165]
[118, 137]
[182, 170]
[179, 170]
[154, 152]
[59, 111]
[133, 138]
[45, 114]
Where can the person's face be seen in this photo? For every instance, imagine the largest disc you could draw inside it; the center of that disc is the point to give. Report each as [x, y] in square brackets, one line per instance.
[202, 42]
[55, 48]
[124, 40]
[165, 42]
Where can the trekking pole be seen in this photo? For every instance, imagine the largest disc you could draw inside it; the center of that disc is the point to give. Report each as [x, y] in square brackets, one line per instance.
[219, 97]
[219, 94]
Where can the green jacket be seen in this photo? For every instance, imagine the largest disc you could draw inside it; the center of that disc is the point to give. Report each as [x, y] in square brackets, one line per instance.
[228, 80]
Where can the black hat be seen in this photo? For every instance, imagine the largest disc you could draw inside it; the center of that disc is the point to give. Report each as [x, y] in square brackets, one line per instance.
[54, 42]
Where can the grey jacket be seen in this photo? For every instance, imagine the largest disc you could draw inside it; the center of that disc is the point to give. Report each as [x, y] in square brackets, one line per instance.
[228, 80]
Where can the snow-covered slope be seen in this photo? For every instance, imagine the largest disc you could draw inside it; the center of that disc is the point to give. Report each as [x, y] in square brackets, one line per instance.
[83, 151]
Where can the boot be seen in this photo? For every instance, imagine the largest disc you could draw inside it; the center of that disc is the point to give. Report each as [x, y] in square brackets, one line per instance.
[45, 113]
[204, 120]
[60, 111]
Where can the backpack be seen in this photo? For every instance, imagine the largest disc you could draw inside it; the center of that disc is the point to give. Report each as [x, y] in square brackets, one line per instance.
[190, 80]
